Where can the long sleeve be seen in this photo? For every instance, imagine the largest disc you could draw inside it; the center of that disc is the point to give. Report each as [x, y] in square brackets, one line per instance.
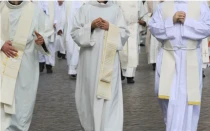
[198, 29]
[81, 32]
[124, 32]
[161, 29]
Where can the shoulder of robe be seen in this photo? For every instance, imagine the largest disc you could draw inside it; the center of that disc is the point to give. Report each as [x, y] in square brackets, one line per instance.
[84, 6]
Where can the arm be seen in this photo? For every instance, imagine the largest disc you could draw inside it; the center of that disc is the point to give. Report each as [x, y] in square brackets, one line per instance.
[161, 29]
[124, 33]
[81, 31]
[198, 29]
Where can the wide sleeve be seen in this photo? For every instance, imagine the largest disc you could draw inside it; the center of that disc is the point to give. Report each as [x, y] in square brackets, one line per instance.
[198, 29]
[45, 30]
[81, 31]
[124, 32]
[161, 29]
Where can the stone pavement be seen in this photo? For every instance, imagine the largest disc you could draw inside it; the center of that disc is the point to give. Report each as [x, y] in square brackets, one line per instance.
[55, 105]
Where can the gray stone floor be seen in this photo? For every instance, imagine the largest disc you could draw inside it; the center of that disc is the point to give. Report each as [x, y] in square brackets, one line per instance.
[55, 105]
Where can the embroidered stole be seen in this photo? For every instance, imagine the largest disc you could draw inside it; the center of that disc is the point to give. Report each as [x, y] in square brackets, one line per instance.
[111, 39]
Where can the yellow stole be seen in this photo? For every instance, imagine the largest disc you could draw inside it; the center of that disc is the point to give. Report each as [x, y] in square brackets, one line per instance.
[111, 39]
[168, 66]
[10, 66]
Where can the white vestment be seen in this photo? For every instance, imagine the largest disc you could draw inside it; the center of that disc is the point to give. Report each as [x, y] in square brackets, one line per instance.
[45, 6]
[71, 46]
[132, 11]
[152, 44]
[178, 114]
[97, 114]
[60, 21]
[28, 76]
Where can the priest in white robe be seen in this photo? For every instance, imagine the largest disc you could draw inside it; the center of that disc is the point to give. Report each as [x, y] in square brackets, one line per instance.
[152, 44]
[45, 60]
[99, 30]
[179, 64]
[60, 22]
[134, 13]
[22, 36]
[71, 46]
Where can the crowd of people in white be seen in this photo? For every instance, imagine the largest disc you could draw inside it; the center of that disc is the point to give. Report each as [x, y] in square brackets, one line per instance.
[101, 42]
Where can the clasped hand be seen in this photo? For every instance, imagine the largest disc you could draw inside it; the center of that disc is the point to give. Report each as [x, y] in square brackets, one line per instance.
[100, 23]
[179, 17]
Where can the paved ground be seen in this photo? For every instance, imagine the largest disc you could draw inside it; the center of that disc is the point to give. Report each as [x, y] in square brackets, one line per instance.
[55, 106]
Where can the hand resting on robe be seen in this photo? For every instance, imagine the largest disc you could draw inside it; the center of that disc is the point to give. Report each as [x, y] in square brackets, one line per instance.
[9, 50]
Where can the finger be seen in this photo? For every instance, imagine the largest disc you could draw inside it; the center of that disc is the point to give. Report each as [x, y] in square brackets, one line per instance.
[9, 42]
[98, 23]
[40, 41]
[182, 17]
[13, 49]
[37, 34]
[10, 54]
[6, 54]
[13, 53]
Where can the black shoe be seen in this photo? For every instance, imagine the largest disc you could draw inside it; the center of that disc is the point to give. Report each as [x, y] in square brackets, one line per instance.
[154, 67]
[204, 75]
[122, 77]
[130, 80]
[41, 66]
[63, 56]
[49, 69]
[59, 55]
[73, 76]
[142, 44]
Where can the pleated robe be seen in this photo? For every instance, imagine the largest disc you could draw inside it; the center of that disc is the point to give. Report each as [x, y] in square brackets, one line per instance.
[60, 21]
[152, 44]
[97, 114]
[28, 76]
[46, 7]
[178, 115]
[71, 46]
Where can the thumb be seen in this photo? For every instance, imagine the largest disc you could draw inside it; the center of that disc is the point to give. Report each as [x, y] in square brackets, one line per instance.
[36, 33]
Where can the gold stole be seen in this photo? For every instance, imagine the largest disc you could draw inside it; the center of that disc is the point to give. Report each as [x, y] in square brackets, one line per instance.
[111, 39]
[168, 66]
[10, 66]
